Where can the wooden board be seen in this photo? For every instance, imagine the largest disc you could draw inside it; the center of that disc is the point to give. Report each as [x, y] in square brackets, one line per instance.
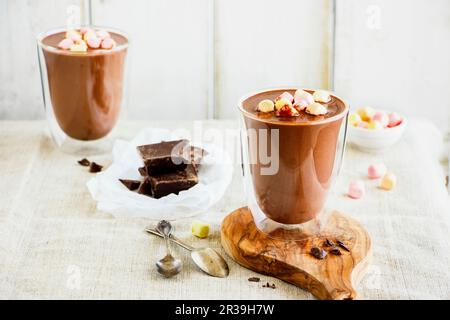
[334, 277]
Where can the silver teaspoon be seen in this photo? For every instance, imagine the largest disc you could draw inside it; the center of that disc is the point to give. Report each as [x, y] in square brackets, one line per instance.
[167, 266]
[207, 259]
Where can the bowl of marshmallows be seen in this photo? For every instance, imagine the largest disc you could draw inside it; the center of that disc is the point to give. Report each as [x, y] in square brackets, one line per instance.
[375, 130]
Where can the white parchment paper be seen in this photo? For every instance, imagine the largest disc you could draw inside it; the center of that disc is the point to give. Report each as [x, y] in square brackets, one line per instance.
[112, 196]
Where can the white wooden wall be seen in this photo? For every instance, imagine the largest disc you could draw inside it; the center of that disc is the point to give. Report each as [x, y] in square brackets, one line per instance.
[192, 59]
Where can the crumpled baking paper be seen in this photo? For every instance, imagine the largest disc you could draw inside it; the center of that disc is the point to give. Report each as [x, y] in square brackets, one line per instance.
[112, 196]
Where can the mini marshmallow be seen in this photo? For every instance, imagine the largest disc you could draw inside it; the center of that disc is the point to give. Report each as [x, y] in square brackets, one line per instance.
[388, 181]
[65, 44]
[376, 170]
[79, 47]
[356, 189]
[382, 117]
[366, 113]
[285, 95]
[83, 30]
[94, 43]
[303, 95]
[394, 120]
[316, 109]
[103, 34]
[301, 104]
[287, 111]
[108, 43]
[374, 125]
[282, 102]
[73, 35]
[89, 34]
[321, 96]
[354, 119]
[363, 124]
[266, 106]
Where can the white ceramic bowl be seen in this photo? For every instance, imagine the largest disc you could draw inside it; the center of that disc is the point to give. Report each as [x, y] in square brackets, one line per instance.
[376, 140]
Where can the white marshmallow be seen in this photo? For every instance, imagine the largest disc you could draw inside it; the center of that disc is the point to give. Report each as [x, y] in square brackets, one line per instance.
[316, 109]
[321, 96]
[266, 106]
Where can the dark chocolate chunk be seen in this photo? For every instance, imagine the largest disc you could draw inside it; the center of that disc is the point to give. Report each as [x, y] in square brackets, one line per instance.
[335, 251]
[173, 182]
[163, 157]
[145, 187]
[273, 286]
[143, 171]
[329, 243]
[318, 253]
[343, 246]
[446, 181]
[84, 162]
[95, 167]
[130, 184]
[254, 279]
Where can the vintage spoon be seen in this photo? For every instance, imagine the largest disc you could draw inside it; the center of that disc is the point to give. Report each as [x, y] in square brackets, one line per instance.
[207, 259]
[167, 266]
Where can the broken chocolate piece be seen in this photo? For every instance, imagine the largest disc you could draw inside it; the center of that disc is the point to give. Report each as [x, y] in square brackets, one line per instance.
[95, 167]
[335, 251]
[84, 162]
[343, 246]
[446, 181]
[143, 171]
[163, 157]
[329, 243]
[318, 253]
[130, 184]
[173, 182]
[145, 187]
[254, 279]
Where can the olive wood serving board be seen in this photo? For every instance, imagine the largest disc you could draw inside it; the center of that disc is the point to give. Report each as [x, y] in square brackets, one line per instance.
[333, 277]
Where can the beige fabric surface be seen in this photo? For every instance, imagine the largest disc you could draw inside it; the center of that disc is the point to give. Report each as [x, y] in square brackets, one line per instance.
[55, 244]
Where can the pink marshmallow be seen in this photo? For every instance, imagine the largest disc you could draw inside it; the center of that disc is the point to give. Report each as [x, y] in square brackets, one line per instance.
[381, 117]
[376, 171]
[394, 120]
[301, 104]
[286, 95]
[94, 42]
[356, 189]
[363, 124]
[108, 43]
[75, 37]
[103, 34]
[84, 30]
[301, 95]
[65, 44]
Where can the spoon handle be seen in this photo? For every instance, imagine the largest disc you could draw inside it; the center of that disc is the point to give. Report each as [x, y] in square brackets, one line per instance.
[171, 237]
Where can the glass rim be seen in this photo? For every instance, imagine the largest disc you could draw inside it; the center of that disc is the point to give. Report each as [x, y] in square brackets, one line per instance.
[289, 123]
[52, 31]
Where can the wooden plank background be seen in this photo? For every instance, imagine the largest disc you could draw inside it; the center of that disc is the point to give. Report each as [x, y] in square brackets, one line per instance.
[194, 59]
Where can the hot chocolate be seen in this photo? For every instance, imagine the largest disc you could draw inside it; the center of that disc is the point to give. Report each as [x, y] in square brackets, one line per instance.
[307, 148]
[85, 87]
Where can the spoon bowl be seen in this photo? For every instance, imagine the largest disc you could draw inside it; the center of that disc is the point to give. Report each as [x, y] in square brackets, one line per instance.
[167, 266]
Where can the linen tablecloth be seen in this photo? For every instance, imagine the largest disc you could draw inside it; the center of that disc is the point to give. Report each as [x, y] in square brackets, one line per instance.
[55, 244]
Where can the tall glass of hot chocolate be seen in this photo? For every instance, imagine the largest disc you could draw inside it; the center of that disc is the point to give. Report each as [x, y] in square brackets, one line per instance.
[292, 148]
[83, 81]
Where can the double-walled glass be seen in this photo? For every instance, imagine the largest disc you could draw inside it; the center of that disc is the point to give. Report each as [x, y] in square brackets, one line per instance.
[83, 91]
[289, 165]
